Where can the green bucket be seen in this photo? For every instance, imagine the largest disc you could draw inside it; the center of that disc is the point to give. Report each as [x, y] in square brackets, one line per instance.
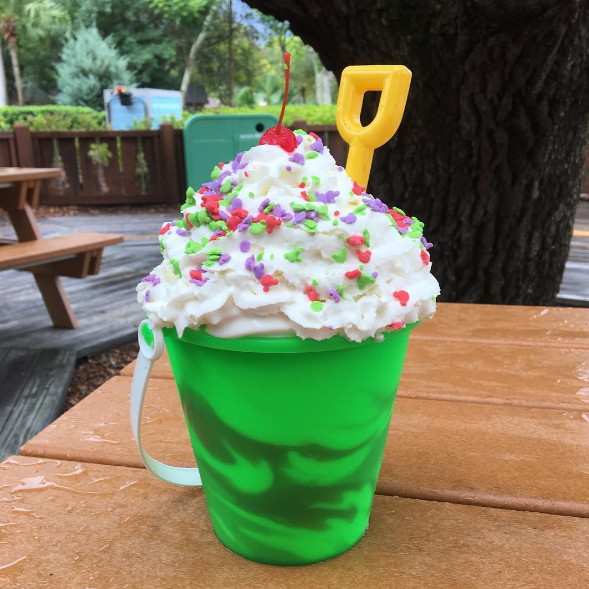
[288, 436]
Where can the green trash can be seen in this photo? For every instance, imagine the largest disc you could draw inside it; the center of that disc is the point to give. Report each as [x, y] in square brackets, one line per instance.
[210, 139]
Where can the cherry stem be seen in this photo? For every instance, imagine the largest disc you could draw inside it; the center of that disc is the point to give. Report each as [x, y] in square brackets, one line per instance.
[286, 81]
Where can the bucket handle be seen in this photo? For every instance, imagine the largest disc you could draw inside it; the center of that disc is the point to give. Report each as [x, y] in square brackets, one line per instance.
[147, 357]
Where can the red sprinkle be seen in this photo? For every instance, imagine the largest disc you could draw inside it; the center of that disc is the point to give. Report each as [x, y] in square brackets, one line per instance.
[202, 190]
[221, 164]
[304, 195]
[188, 221]
[165, 228]
[260, 217]
[241, 213]
[357, 189]
[336, 213]
[267, 281]
[312, 294]
[271, 223]
[356, 240]
[353, 274]
[302, 185]
[246, 174]
[222, 234]
[402, 296]
[424, 257]
[233, 222]
[397, 325]
[196, 275]
[364, 257]
[313, 135]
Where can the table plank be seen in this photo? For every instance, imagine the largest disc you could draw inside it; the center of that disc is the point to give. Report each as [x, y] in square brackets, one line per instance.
[490, 455]
[508, 324]
[87, 525]
[20, 174]
[553, 378]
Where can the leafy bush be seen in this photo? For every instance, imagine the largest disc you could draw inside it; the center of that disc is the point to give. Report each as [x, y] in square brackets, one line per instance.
[89, 64]
[52, 118]
[314, 114]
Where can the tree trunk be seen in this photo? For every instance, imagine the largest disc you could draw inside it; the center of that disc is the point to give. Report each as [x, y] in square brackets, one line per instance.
[194, 49]
[3, 100]
[16, 70]
[490, 151]
[230, 85]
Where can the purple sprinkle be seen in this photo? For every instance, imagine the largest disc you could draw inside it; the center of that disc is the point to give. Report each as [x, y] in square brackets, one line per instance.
[147, 300]
[350, 218]
[223, 259]
[214, 186]
[235, 163]
[426, 244]
[402, 230]
[408, 221]
[236, 203]
[297, 158]
[223, 215]
[223, 175]
[317, 146]
[278, 211]
[198, 282]
[287, 217]
[299, 139]
[216, 232]
[288, 168]
[375, 275]
[340, 169]
[299, 217]
[245, 246]
[245, 223]
[376, 205]
[263, 205]
[331, 327]
[182, 232]
[151, 278]
[250, 263]
[334, 295]
[259, 271]
[328, 197]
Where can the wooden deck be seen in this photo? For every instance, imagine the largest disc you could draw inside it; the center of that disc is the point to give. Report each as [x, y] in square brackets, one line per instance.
[105, 304]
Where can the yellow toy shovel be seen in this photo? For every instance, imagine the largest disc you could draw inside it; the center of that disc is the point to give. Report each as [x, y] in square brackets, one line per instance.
[393, 82]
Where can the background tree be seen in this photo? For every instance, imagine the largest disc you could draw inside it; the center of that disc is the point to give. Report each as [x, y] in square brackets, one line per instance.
[38, 18]
[90, 63]
[490, 152]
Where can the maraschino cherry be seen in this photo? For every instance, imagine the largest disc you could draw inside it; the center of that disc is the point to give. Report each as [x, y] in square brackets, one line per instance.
[280, 135]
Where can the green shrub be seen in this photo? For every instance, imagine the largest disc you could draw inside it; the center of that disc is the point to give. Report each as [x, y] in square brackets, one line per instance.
[314, 114]
[52, 118]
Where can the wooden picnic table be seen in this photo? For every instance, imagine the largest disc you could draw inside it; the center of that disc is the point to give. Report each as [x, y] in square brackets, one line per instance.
[76, 255]
[484, 483]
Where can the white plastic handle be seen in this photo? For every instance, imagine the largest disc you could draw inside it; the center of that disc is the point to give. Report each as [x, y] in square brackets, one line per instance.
[147, 356]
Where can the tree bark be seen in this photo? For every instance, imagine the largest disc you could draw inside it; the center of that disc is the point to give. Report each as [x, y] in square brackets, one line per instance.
[491, 148]
[16, 70]
[194, 49]
[3, 98]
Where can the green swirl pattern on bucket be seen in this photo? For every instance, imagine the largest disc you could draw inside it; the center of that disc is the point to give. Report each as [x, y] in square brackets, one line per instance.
[289, 445]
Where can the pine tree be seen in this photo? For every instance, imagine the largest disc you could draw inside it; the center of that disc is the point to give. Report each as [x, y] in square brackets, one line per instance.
[89, 64]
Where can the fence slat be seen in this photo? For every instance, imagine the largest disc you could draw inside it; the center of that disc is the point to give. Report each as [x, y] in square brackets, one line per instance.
[91, 185]
[112, 171]
[129, 150]
[5, 154]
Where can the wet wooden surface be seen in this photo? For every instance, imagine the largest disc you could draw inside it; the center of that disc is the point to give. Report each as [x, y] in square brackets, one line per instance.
[70, 524]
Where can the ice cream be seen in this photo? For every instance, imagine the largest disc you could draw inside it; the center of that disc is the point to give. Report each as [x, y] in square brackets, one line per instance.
[282, 243]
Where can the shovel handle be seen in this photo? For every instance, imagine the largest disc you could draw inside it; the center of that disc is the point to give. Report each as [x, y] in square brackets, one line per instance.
[393, 83]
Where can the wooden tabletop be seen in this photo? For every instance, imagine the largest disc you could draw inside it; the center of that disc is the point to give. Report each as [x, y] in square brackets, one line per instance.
[483, 484]
[9, 175]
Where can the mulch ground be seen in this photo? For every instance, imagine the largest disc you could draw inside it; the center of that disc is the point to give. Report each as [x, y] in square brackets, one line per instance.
[96, 370]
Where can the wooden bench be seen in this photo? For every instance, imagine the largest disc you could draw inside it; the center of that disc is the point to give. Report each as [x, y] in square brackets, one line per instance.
[76, 255]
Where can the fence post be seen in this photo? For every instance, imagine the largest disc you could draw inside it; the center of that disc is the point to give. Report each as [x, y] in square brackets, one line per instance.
[168, 145]
[24, 146]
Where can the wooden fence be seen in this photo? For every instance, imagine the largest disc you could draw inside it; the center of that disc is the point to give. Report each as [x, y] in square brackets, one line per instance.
[115, 167]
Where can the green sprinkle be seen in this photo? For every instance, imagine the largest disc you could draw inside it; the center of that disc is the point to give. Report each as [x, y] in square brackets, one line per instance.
[161, 245]
[271, 256]
[220, 224]
[304, 179]
[364, 280]
[237, 189]
[311, 155]
[190, 192]
[361, 267]
[192, 247]
[256, 228]
[209, 263]
[182, 224]
[314, 282]
[204, 241]
[269, 207]
[311, 196]
[310, 225]
[289, 224]
[323, 212]
[316, 306]
[340, 257]
[215, 250]
[260, 256]
[203, 217]
[294, 255]
[226, 186]
[193, 218]
[215, 173]
[251, 195]
[340, 290]
[176, 266]
[316, 179]
[284, 66]
[335, 222]
[360, 209]
[299, 132]
[366, 234]
[400, 211]
[296, 207]
[310, 207]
